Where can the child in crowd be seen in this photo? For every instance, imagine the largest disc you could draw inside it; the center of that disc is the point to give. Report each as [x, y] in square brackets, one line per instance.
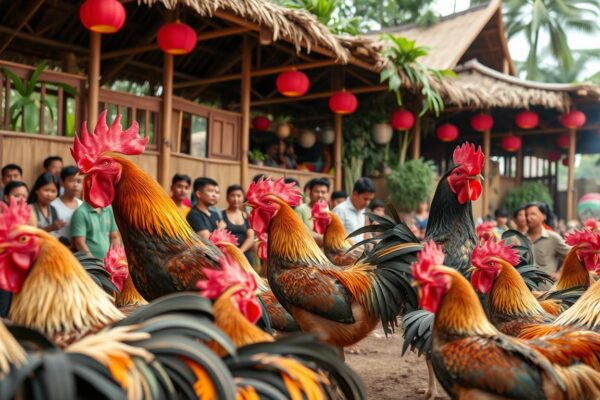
[69, 201]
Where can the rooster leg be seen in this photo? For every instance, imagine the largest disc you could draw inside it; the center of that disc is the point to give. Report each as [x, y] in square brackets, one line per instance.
[342, 353]
[432, 391]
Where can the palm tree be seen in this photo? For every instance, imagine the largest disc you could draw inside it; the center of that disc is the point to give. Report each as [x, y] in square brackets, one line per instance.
[548, 73]
[554, 18]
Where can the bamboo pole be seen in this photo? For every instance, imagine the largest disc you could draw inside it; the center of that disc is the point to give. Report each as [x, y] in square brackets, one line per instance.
[571, 175]
[167, 115]
[245, 105]
[416, 143]
[486, 173]
[337, 151]
[93, 79]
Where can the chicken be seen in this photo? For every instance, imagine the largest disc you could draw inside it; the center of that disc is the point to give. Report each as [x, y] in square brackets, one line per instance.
[165, 255]
[473, 360]
[336, 245]
[340, 305]
[280, 319]
[116, 264]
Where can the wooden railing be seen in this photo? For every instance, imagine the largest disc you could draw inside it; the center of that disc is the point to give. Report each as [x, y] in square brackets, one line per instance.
[49, 110]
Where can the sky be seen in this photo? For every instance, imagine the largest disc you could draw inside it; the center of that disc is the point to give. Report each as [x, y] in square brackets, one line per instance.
[518, 47]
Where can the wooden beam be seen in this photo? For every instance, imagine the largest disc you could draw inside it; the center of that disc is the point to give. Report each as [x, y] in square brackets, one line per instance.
[93, 79]
[571, 175]
[321, 95]
[245, 104]
[486, 174]
[544, 131]
[30, 11]
[167, 114]
[235, 30]
[337, 151]
[255, 73]
[41, 40]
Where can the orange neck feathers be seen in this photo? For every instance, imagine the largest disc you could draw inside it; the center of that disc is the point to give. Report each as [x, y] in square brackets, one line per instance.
[135, 193]
[573, 272]
[59, 297]
[302, 248]
[129, 296]
[460, 312]
[510, 295]
[335, 235]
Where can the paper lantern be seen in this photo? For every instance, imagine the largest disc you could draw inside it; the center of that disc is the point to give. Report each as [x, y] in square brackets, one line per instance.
[176, 38]
[482, 122]
[447, 132]
[102, 16]
[527, 120]
[261, 123]
[307, 139]
[283, 130]
[382, 133]
[565, 161]
[511, 143]
[292, 83]
[563, 140]
[402, 120]
[343, 102]
[554, 156]
[573, 120]
[328, 136]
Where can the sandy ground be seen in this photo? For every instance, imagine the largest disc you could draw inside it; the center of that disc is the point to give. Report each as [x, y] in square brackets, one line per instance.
[387, 375]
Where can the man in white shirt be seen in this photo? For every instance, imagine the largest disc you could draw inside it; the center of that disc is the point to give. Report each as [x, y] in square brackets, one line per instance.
[69, 201]
[352, 210]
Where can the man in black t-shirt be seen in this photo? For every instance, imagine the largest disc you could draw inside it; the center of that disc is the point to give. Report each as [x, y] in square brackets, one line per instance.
[201, 217]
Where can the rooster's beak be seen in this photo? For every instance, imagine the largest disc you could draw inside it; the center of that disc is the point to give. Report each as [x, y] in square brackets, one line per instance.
[478, 177]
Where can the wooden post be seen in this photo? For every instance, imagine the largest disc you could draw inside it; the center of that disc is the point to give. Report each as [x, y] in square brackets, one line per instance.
[245, 105]
[93, 80]
[486, 173]
[416, 144]
[167, 116]
[571, 175]
[337, 151]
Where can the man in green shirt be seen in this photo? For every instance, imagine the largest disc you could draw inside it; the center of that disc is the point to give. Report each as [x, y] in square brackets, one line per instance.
[318, 189]
[93, 230]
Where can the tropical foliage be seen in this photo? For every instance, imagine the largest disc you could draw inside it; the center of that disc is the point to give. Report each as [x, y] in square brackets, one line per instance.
[328, 13]
[525, 194]
[411, 184]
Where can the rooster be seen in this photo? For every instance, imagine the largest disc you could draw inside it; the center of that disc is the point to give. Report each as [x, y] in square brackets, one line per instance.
[340, 305]
[472, 359]
[165, 255]
[280, 319]
[336, 246]
[116, 264]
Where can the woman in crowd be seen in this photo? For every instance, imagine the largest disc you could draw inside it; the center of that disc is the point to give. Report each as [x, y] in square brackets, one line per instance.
[44, 191]
[236, 219]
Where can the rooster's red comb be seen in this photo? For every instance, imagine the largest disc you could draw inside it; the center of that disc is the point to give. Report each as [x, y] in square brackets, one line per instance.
[491, 248]
[14, 214]
[320, 209]
[222, 235]
[427, 259]
[89, 147]
[285, 191]
[591, 224]
[116, 265]
[485, 230]
[582, 237]
[219, 280]
[466, 156]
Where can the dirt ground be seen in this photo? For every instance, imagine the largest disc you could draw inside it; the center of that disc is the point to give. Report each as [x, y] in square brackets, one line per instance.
[387, 375]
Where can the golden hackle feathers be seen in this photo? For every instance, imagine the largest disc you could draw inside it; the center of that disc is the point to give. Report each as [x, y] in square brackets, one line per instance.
[11, 353]
[585, 313]
[59, 298]
[581, 381]
[129, 296]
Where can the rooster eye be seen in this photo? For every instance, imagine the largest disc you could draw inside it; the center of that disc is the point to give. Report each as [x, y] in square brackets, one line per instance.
[23, 239]
[105, 163]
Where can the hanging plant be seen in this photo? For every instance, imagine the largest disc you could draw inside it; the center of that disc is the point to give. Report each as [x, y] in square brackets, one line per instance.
[411, 184]
[403, 55]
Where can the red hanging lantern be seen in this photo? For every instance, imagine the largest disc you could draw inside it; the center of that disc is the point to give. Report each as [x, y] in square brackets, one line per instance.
[402, 120]
[573, 120]
[563, 140]
[565, 161]
[554, 156]
[261, 123]
[176, 38]
[292, 83]
[482, 122]
[527, 120]
[447, 132]
[343, 102]
[102, 16]
[511, 143]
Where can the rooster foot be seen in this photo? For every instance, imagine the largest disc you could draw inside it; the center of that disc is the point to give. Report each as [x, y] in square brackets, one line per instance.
[352, 350]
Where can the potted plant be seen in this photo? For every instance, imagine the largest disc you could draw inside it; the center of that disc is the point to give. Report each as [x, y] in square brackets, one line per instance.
[257, 157]
[411, 184]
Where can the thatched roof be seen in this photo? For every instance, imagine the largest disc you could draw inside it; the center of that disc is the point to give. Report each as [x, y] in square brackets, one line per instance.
[478, 86]
[298, 27]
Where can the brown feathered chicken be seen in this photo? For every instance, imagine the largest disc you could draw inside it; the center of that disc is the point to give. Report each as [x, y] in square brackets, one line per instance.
[116, 264]
[336, 244]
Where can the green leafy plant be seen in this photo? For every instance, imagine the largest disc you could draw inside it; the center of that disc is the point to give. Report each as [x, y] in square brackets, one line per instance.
[257, 156]
[411, 184]
[403, 55]
[26, 105]
[329, 13]
[526, 193]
